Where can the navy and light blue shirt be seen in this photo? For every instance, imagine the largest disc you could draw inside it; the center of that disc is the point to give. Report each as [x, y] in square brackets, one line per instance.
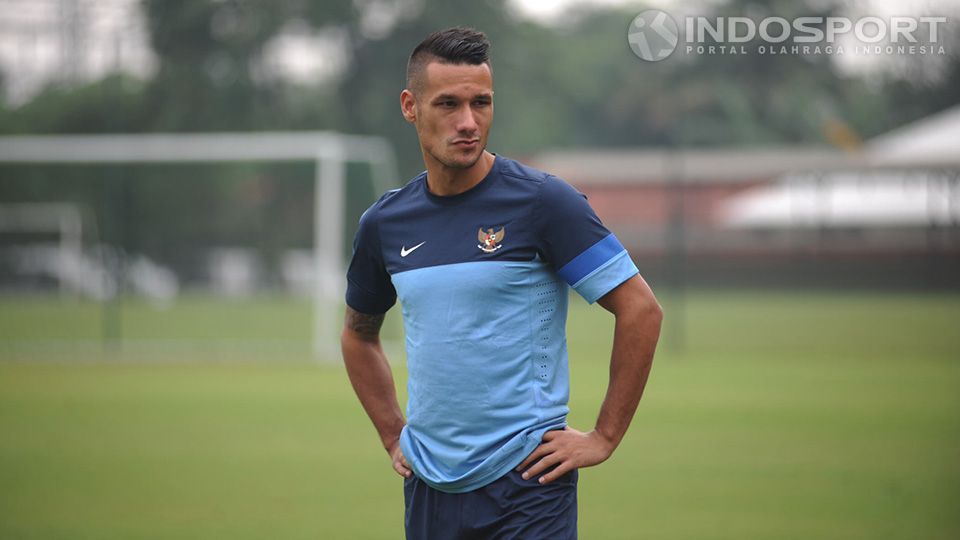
[482, 279]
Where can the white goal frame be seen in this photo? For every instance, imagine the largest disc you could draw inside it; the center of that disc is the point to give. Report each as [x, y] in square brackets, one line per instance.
[329, 151]
[61, 218]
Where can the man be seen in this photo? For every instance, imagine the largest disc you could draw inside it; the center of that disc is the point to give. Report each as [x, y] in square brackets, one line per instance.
[480, 250]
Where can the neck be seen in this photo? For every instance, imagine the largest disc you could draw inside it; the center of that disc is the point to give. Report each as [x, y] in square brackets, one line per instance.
[446, 181]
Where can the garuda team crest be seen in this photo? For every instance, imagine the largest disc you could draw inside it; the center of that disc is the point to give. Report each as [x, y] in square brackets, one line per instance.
[490, 241]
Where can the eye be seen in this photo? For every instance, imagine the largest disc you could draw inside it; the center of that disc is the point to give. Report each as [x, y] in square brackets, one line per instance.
[448, 104]
[481, 102]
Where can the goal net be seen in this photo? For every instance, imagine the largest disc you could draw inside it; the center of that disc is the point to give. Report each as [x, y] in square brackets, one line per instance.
[233, 219]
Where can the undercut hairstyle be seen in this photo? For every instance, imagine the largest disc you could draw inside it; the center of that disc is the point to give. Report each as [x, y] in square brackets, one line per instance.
[451, 46]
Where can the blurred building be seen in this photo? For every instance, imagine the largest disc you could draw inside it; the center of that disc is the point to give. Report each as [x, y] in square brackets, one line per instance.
[888, 214]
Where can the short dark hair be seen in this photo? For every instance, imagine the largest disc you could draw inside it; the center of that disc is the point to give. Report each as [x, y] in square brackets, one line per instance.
[451, 46]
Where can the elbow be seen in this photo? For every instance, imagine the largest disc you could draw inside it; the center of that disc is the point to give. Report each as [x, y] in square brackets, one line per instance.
[655, 311]
[651, 316]
[648, 310]
[647, 318]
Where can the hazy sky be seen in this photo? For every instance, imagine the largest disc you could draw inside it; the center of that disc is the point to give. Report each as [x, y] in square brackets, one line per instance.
[32, 37]
[550, 10]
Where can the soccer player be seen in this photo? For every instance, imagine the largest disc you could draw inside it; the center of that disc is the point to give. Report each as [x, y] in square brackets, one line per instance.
[480, 250]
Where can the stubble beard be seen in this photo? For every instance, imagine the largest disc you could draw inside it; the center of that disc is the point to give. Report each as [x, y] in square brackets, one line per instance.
[450, 164]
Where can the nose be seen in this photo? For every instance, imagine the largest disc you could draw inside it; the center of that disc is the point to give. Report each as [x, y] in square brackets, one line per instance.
[466, 122]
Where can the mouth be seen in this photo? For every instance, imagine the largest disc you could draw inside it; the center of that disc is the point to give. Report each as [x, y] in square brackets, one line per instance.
[466, 144]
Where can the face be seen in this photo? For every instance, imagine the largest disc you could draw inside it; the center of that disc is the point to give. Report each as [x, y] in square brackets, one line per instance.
[452, 112]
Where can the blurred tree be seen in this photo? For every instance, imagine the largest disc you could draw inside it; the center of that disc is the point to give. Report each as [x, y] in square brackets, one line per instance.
[209, 53]
[112, 104]
[573, 84]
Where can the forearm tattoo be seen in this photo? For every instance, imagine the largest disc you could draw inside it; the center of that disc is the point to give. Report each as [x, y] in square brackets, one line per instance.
[367, 326]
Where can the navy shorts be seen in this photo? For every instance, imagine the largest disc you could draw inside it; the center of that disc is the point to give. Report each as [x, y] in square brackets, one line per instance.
[510, 508]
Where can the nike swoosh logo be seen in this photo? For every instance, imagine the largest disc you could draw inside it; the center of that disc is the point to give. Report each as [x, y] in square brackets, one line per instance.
[404, 251]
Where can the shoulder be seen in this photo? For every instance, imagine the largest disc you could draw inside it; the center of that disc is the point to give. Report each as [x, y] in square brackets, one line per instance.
[513, 169]
[549, 187]
[556, 191]
[392, 198]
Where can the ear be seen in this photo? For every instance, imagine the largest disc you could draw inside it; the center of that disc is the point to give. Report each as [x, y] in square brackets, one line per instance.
[408, 106]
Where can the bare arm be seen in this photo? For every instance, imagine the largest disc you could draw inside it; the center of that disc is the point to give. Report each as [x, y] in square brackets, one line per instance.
[638, 317]
[637, 329]
[372, 381]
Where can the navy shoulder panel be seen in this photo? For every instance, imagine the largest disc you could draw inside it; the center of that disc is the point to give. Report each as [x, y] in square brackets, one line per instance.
[518, 170]
[394, 195]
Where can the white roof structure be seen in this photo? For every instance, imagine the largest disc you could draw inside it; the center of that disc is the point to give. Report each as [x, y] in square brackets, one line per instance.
[933, 141]
[872, 199]
[910, 177]
[629, 166]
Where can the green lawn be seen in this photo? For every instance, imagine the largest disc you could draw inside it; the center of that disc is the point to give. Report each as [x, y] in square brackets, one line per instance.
[779, 416]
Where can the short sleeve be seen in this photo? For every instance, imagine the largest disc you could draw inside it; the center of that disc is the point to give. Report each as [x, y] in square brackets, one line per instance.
[579, 247]
[369, 288]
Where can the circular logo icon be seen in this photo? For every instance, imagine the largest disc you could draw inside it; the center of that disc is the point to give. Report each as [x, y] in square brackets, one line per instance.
[653, 35]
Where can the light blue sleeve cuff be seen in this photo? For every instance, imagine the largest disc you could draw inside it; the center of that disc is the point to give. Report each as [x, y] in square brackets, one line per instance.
[606, 277]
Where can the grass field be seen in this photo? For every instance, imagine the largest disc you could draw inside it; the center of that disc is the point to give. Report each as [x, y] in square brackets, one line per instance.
[780, 416]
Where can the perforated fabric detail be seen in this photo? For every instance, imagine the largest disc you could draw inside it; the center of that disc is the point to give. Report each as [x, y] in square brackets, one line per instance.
[545, 294]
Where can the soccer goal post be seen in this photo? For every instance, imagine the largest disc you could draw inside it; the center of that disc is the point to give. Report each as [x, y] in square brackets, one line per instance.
[61, 219]
[328, 151]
